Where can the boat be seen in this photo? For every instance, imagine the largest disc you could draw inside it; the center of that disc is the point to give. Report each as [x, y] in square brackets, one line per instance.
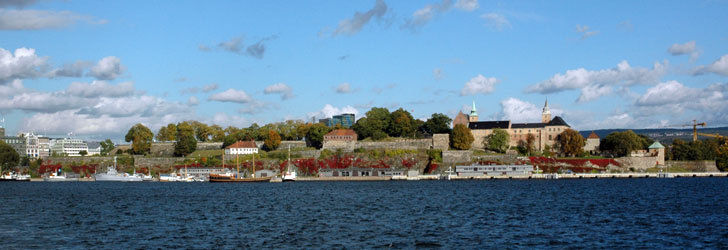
[289, 174]
[15, 177]
[235, 177]
[58, 176]
[112, 175]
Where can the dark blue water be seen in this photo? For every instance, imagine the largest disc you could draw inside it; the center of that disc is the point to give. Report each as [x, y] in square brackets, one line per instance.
[604, 213]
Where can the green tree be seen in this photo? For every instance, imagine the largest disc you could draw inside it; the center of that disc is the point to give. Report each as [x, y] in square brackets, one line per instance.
[25, 161]
[106, 147]
[272, 141]
[186, 142]
[375, 125]
[315, 135]
[301, 130]
[202, 131]
[623, 143]
[141, 138]
[461, 138]
[8, 157]
[83, 152]
[437, 124]
[571, 143]
[167, 133]
[721, 160]
[362, 128]
[498, 141]
[402, 124]
[217, 133]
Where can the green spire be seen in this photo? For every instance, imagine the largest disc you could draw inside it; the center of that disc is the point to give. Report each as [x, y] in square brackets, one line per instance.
[473, 111]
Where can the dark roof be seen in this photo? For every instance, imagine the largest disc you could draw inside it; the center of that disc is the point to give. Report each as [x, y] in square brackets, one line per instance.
[557, 121]
[489, 125]
[528, 125]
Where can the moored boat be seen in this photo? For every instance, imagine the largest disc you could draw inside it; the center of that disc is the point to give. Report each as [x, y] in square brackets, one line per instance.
[112, 175]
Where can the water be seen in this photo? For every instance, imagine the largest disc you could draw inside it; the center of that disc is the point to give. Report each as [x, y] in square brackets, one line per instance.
[603, 213]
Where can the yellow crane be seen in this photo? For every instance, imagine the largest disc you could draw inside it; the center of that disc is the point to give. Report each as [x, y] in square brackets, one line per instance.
[695, 129]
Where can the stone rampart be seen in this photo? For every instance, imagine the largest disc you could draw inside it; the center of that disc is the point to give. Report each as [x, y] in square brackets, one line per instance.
[456, 156]
[441, 141]
[504, 158]
[140, 161]
[346, 146]
[695, 166]
[294, 144]
[638, 163]
[65, 160]
[409, 144]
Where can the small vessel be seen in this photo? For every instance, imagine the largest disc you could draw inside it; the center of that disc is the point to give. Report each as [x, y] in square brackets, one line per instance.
[15, 177]
[112, 175]
[59, 176]
[234, 177]
[289, 174]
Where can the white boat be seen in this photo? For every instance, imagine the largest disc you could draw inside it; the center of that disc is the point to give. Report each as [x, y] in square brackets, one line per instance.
[15, 177]
[290, 173]
[56, 176]
[112, 175]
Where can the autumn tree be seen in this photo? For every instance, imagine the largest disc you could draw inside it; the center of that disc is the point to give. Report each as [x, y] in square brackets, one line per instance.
[402, 124]
[9, 158]
[167, 133]
[141, 138]
[571, 143]
[498, 141]
[186, 142]
[302, 130]
[461, 138]
[272, 141]
[530, 143]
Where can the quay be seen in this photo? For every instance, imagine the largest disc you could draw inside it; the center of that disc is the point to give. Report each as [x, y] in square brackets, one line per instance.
[592, 176]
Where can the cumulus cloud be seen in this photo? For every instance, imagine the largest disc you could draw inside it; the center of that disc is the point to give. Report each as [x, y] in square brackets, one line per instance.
[329, 111]
[108, 68]
[683, 49]
[45, 102]
[596, 83]
[467, 5]
[354, 24]
[479, 85]
[496, 21]
[40, 19]
[231, 95]
[193, 101]
[24, 63]
[517, 110]
[284, 90]
[144, 106]
[100, 89]
[719, 66]
[585, 31]
[71, 70]
[343, 88]
[209, 87]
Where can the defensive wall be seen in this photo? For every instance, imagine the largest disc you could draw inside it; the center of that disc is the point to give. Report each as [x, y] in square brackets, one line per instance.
[438, 141]
[456, 156]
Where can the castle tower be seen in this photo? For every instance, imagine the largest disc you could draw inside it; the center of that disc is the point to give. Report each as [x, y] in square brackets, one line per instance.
[546, 114]
[473, 117]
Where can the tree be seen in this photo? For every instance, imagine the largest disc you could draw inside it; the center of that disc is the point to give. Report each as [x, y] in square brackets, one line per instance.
[167, 133]
[141, 138]
[571, 143]
[721, 160]
[498, 141]
[25, 161]
[83, 152]
[437, 124]
[530, 143]
[186, 142]
[375, 125]
[623, 143]
[315, 135]
[461, 138]
[217, 133]
[302, 130]
[8, 157]
[202, 131]
[106, 147]
[272, 141]
[402, 124]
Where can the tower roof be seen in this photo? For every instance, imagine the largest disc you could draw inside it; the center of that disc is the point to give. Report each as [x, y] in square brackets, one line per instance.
[593, 136]
[473, 111]
[656, 145]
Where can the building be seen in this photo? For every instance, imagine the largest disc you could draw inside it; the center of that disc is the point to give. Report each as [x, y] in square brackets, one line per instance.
[493, 170]
[44, 147]
[68, 147]
[342, 120]
[592, 143]
[242, 148]
[460, 118]
[473, 117]
[360, 172]
[341, 135]
[32, 146]
[656, 149]
[94, 148]
[18, 143]
[545, 133]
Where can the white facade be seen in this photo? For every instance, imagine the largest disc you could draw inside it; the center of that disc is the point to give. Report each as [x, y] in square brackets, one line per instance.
[241, 151]
[32, 145]
[44, 147]
[68, 146]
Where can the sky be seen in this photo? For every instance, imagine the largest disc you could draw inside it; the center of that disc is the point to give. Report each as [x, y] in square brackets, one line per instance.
[93, 69]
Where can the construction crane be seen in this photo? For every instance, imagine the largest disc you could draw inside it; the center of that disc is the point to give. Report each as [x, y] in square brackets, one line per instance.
[695, 129]
[714, 136]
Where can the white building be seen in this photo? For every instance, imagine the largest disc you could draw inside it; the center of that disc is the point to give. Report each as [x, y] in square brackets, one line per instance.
[32, 146]
[68, 146]
[94, 148]
[242, 148]
[44, 146]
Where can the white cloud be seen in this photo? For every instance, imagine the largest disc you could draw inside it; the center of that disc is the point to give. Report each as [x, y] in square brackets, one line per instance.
[225, 120]
[17, 3]
[599, 81]
[719, 66]
[479, 85]
[209, 87]
[280, 88]
[24, 63]
[100, 88]
[437, 73]
[686, 48]
[422, 16]
[516, 110]
[235, 45]
[43, 102]
[496, 21]
[40, 19]
[71, 70]
[343, 88]
[206, 89]
[353, 25]
[193, 101]
[593, 92]
[467, 5]
[585, 31]
[108, 68]
[329, 111]
[231, 95]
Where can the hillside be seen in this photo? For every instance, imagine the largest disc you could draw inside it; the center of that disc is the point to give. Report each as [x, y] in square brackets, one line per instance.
[664, 135]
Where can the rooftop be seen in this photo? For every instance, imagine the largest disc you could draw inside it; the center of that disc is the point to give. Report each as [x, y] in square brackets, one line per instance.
[593, 136]
[243, 144]
[342, 132]
[489, 125]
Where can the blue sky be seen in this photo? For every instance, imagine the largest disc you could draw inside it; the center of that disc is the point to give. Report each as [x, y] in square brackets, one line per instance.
[95, 68]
